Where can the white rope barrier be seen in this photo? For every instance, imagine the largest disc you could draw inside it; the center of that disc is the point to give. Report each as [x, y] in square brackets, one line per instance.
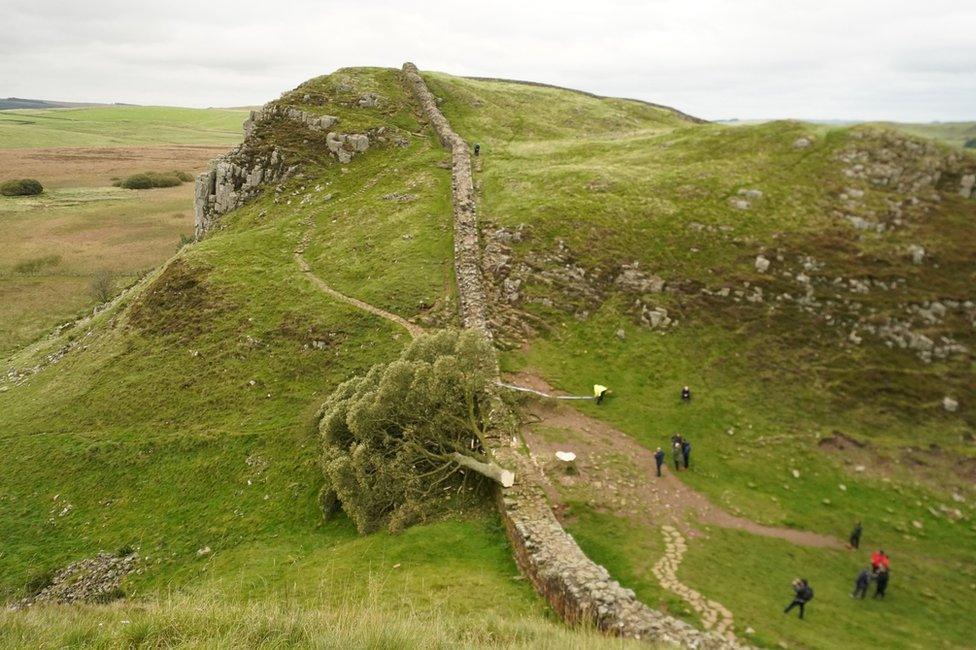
[540, 393]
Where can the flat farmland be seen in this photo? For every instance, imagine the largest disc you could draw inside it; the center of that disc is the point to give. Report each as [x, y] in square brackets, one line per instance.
[55, 244]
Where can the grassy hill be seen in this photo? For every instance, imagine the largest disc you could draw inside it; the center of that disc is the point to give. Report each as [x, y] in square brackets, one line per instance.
[954, 133]
[180, 420]
[780, 380]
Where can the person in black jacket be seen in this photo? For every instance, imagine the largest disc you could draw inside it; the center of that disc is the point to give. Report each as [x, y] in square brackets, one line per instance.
[685, 394]
[685, 451]
[861, 584]
[881, 583]
[659, 459]
[802, 594]
[856, 535]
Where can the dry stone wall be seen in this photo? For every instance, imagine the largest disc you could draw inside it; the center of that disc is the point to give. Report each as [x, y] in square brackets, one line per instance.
[576, 587]
[241, 173]
[467, 252]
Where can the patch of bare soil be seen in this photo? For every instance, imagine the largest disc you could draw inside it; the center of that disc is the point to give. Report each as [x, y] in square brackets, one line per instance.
[615, 473]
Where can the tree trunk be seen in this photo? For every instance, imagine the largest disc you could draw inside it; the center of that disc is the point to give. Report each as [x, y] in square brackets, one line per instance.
[491, 470]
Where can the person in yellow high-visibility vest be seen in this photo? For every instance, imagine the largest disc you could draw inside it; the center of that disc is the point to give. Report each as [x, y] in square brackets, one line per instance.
[599, 392]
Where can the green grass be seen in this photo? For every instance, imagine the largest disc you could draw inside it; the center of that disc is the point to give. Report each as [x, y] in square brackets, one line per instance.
[112, 126]
[615, 183]
[186, 419]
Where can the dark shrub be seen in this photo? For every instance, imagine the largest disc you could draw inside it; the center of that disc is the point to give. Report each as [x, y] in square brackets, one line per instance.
[970, 143]
[21, 187]
[147, 180]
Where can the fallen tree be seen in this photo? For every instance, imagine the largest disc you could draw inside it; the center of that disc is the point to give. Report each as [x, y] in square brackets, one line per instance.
[405, 441]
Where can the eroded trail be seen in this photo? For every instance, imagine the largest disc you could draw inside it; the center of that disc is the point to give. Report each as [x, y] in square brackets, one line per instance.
[614, 472]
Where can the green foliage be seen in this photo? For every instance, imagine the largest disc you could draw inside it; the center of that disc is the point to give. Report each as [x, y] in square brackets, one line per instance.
[36, 264]
[970, 144]
[21, 187]
[387, 436]
[149, 180]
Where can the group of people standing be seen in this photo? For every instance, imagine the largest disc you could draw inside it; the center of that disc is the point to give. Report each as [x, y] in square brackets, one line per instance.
[680, 453]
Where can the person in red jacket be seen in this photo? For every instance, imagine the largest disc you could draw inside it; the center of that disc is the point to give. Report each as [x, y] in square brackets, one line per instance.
[879, 560]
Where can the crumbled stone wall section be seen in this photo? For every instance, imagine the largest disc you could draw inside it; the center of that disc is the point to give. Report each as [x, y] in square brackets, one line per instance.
[467, 252]
[576, 587]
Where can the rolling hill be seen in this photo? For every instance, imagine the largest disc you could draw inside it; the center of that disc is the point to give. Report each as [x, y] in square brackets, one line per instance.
[812, 286]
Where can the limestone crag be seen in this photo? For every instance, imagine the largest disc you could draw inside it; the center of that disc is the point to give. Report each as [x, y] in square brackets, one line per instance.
[243, 172]
[92, 580]
[576, 587]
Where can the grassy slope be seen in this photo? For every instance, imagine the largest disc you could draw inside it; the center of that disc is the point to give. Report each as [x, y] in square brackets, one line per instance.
[780, 379]
[119, 126]
[186, 421]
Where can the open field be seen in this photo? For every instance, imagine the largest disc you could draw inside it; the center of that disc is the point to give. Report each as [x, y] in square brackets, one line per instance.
[82, 225]
[111, 126]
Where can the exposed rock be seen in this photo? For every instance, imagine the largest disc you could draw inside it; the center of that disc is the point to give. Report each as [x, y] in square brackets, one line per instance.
[93, 580]
[762, 264]
[400, 198]
[966, 185]
[917, 252]
[633, 279]
[949, 404]
[369, 100]
[801, 143]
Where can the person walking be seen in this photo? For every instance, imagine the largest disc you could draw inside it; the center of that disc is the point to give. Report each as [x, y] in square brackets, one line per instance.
[856, 535]
[676, 456]
[659, 460]
[861, 584]
[685, 394]
[802, 594]
[881, 583]
[477, 149]
[685, 452]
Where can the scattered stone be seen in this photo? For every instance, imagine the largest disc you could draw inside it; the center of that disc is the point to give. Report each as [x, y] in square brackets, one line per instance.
[762, 264]
[621, 334]
[93, 580]
[801, 143]
[203, 552]
[949, 404]
[917, 252]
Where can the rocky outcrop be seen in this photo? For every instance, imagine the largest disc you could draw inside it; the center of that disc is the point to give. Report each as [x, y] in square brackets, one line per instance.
[580, 590]
[92, 580]
[243, 172]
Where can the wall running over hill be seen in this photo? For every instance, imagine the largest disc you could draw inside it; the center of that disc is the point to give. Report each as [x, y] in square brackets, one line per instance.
[576, 587]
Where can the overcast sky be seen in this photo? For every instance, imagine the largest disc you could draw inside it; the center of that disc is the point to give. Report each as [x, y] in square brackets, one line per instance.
[896, 59]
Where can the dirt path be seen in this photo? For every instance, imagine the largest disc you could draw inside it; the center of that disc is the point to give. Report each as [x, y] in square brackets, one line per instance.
[413, 329]
[624, 471]
[613, 472]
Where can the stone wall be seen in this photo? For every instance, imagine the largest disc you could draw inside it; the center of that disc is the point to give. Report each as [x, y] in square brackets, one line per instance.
[241, 173]
[467, 252]
[579, 589]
